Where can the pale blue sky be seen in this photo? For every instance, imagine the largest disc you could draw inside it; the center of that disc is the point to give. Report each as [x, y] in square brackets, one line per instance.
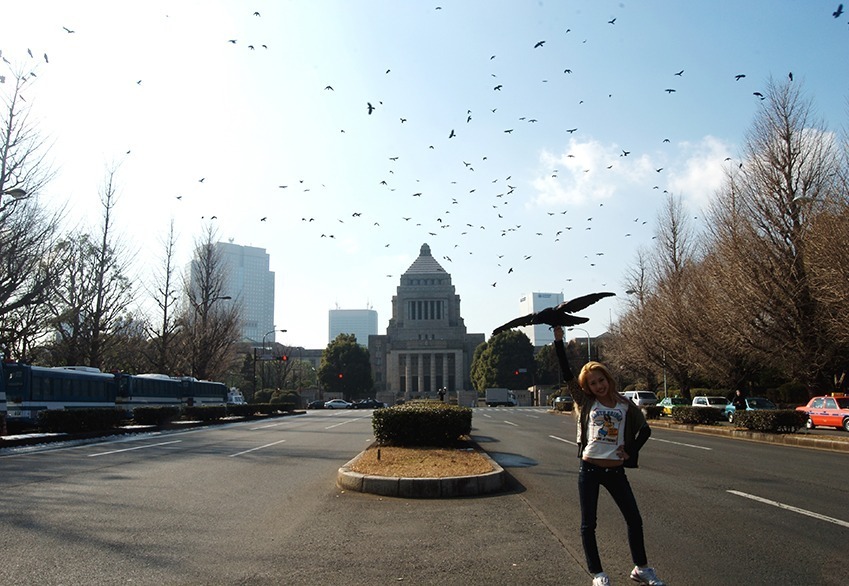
[249, 121]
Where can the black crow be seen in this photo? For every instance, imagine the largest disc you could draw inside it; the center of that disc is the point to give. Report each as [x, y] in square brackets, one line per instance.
[559, 315]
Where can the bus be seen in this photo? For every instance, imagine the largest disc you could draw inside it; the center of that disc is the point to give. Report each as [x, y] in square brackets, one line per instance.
[30, 389]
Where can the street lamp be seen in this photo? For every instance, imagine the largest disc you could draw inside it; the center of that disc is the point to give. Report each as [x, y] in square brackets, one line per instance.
[589, 353]
[268, 334]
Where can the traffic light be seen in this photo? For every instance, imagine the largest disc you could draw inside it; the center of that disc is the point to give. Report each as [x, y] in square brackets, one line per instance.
[516, 372]
[284, 358]
[339, 376]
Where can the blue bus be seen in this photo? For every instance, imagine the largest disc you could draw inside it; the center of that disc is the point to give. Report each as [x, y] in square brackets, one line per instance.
[30, 389]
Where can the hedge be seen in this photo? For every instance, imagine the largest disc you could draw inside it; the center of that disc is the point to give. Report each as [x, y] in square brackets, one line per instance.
[697, 415]
[79, 420]
[771, 420]
[160, 415]
[421, 423]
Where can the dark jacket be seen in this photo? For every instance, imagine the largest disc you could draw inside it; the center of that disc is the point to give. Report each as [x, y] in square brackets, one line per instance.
[637, 431]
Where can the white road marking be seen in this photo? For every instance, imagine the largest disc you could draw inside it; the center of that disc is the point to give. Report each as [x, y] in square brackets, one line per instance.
[565, 441]
[511, 423]
[791, 508]
[257, 448]
[344, 422]
[656, 439]
[134, 448]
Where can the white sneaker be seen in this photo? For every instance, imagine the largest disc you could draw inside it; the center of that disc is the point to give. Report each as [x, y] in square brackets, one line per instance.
[646, 576]
[601, 580]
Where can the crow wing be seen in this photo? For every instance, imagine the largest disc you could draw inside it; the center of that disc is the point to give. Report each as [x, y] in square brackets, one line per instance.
[559, 315]
[579, 303]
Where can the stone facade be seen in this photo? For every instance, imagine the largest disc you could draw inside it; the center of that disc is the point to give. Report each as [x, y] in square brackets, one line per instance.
[426, 346]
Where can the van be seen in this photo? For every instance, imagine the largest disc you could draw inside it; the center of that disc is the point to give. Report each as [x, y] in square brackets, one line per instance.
[641, 398]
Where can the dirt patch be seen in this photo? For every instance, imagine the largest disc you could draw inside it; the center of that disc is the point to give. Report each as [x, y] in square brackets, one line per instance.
[422, 462]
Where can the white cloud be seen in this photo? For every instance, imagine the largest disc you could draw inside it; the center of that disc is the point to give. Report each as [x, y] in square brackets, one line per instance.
[702, 171]
[587, 172]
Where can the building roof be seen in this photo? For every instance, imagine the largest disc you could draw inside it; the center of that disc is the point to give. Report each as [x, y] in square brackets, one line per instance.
[424, 264]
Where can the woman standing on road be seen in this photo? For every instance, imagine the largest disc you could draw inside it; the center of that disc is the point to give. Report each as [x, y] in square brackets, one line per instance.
[611, 431]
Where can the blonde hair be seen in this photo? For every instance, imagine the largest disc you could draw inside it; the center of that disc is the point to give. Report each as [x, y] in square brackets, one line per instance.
[593, 366]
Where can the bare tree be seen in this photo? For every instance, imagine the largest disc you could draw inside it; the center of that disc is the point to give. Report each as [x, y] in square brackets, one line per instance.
[788, 178]
[27, 231]
[163, 354]
[94, 294]
[210, 329]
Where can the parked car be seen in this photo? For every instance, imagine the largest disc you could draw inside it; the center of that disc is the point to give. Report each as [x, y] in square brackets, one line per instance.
[752, 403]
[829, 411]
[369, 404]
[564, 402]
[719, 403]
[315, 405]
[641, 398]
[337, 404]
[668, 403]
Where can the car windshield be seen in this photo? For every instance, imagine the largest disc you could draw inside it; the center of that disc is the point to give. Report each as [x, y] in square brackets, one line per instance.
[646, 395]
[716, 401]
[759, 403]
[843, 402]
[679, 401]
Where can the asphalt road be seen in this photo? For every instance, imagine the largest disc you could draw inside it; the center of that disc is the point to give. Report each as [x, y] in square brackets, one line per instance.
[256, 503]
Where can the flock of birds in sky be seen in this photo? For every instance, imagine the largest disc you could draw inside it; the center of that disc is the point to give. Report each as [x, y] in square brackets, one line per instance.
[440, 216]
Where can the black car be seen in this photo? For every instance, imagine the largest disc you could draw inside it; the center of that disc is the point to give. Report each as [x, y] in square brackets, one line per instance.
[315, 405]
[369, 404]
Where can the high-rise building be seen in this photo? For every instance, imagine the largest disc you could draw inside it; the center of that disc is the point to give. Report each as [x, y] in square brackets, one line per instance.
[250, 283]
[539, 334]
[426, 346]
[360, 322]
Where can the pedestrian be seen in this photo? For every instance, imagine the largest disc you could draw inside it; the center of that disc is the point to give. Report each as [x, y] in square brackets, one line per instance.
[611, 431]
[739, 401]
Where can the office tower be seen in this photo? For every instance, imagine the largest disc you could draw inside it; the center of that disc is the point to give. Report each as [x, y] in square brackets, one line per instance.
[360, 322]
[540, 334]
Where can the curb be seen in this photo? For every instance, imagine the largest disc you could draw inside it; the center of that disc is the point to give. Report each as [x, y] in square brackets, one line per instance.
[448, 487]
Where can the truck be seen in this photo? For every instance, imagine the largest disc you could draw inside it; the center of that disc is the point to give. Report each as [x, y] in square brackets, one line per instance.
[496, 397]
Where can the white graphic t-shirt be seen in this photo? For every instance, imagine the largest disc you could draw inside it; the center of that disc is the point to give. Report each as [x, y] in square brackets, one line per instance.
[605, 431]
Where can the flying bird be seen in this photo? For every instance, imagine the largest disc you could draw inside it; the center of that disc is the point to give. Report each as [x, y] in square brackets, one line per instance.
[67, 30]
[370, 107]
[559, 315]
[739, 76]
[838, 12]
[680, 73]
[539, 44]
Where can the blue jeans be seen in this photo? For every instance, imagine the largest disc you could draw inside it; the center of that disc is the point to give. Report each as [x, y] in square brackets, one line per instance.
[590, 478]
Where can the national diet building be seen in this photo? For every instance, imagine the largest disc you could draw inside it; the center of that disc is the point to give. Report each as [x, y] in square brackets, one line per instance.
[426, 347]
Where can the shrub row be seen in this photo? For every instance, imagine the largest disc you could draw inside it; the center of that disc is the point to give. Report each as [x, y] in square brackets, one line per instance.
[771, 420]
[421, 423]
[78, 420]
[652, 411]
[697, 415]
[102, 419]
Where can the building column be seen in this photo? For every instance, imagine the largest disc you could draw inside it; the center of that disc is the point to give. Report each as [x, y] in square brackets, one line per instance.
[421, 372]
[458, 369]
[445, 370]
[432, 373]
[408, 374]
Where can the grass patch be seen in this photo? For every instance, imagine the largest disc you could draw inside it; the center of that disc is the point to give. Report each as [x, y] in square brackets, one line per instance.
[421, 462]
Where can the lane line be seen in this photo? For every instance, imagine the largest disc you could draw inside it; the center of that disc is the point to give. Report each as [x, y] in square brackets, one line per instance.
[134, 448]
[344, 422]
[565, 441]
[257, 448]
[657, 439]
[791, 508]
[511, 423]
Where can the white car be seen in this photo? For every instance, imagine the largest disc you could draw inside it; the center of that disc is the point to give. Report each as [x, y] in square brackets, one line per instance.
[641, 398]
[719, 403]
[337, 404]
